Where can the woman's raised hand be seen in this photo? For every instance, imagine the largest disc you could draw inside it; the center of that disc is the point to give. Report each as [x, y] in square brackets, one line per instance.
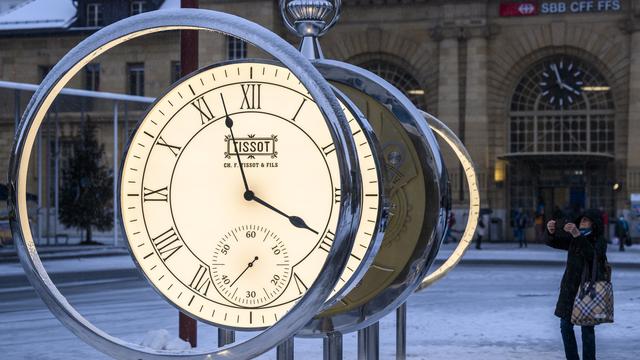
[572, 229]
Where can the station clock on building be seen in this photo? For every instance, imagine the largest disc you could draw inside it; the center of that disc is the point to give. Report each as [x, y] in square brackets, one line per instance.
[561, 82]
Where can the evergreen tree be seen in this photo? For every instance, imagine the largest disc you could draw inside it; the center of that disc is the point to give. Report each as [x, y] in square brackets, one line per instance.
[86, 196]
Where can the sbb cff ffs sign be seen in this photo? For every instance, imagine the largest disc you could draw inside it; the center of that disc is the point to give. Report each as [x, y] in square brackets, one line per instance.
[531, 8]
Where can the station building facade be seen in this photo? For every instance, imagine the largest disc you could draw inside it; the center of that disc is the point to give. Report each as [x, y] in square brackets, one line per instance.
[545, 94]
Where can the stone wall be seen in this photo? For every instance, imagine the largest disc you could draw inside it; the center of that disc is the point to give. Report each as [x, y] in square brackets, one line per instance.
[466, 58]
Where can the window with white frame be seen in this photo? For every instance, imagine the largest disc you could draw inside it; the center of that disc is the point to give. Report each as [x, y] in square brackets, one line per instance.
[94, 15]
[137, 7]
[135, 75]
[92, 77]
[236, 48]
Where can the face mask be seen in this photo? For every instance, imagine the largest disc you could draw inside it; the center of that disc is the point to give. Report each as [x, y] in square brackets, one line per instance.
[585, 232]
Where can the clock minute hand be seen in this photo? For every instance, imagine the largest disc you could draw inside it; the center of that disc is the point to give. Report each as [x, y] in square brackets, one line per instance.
[555, 70]
[294, 220]
[229, 123]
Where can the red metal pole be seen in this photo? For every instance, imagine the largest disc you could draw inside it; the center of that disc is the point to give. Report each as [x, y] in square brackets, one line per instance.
[188, 63]
[188, 329]
[188, 44]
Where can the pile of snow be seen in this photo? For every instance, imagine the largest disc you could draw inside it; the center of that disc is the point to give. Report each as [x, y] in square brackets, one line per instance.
[161, 340]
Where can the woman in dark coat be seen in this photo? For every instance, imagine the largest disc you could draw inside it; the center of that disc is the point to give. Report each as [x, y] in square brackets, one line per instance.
[582, 242]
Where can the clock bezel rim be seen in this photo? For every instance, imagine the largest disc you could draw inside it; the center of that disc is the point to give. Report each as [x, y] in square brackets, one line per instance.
[553, 87]
[374, 146]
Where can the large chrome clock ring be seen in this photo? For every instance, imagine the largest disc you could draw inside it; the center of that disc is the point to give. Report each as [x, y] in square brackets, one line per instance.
[121, 32]
[436, 191]
[465, 160]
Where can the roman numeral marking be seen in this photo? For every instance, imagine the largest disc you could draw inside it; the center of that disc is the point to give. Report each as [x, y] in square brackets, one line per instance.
[327, 241]
[174, 149]
[337, 195]
[155, 195]
[298, 111]
[300, 284]
[329, 149]
[167, 244]
[201, 281]
[203, 108]
[251, 93]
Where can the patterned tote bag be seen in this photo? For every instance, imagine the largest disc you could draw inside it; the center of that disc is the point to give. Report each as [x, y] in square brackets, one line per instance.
[594, 302]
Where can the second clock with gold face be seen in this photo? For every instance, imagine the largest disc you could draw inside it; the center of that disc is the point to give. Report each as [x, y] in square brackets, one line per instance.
[230, 194]
[417, 191]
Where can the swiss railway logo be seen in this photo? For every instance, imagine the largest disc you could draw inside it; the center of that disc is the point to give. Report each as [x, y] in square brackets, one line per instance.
[526, 9]
[519, 8]
[251, 146]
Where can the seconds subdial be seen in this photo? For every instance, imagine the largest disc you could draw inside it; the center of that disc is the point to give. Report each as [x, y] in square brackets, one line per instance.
[251, 266]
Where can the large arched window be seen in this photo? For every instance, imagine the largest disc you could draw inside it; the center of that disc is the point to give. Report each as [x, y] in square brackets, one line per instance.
[562, 104]
[397, 75]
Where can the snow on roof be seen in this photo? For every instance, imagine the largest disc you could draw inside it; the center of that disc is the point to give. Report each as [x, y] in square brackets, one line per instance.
[170, 4]
[39, 14]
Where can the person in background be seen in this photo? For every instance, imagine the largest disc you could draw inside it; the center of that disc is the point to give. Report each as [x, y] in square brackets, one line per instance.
[557, 213]
[622, 232]
[520, 223]
[539, 220]
[481, 231]
[582, 242]
[539, 227]
[451, 222]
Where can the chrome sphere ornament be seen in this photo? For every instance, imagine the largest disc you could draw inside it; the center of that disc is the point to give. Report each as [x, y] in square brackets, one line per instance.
[309, 10]
[320, 94]
[310, 19]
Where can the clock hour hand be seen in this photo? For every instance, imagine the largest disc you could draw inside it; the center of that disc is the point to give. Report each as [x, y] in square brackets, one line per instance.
[249, 265]
[570, 89]
[294, 220]
[229, 123]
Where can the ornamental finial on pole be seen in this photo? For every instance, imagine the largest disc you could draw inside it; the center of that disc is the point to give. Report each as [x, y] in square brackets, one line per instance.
[310, 19]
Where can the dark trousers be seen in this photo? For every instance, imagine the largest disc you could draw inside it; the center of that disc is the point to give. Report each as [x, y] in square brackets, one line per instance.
[570, 345]
[519, 234]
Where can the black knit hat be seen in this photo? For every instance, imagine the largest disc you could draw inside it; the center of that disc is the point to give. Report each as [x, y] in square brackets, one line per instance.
[595, 216]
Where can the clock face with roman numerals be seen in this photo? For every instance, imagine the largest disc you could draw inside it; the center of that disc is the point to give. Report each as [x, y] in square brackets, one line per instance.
[230, 194]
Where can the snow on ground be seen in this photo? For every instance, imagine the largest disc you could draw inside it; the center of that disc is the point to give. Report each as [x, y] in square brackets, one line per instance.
[477, 312]
[74, 265]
